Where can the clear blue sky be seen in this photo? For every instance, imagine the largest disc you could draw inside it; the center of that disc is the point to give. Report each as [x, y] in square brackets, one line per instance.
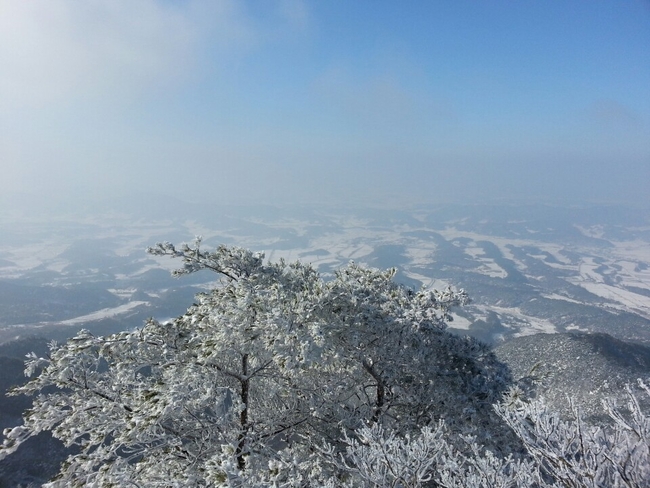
[364, 101]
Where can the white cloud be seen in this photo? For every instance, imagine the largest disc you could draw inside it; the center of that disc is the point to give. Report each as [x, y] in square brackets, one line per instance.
[56, 51]
[75, 76]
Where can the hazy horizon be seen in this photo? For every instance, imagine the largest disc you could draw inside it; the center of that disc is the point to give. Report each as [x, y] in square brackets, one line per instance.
[299, 101]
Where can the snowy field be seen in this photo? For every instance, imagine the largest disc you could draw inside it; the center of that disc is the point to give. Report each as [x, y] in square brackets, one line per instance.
[504, 265]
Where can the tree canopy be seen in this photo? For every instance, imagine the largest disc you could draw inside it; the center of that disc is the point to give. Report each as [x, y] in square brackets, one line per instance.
[278, 377]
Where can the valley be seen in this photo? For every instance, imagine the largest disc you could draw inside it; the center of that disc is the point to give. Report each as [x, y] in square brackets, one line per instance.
[528, 269]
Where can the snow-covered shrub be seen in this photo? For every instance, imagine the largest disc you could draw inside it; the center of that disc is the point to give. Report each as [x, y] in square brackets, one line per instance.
[581, 455]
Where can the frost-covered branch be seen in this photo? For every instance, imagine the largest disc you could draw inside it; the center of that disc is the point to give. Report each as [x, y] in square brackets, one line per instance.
[232, 262]
[578, 454]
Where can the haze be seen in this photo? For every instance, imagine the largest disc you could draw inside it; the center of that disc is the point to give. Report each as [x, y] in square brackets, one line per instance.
[291, 101]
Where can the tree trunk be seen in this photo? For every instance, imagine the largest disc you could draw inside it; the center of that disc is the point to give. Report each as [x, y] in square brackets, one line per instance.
[243, 416]
[381, 391]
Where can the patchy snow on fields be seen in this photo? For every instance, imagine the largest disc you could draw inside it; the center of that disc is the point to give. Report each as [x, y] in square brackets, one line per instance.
[555, 296]
[460, 322]
[625, 299]
[104, 313]
[534, 325]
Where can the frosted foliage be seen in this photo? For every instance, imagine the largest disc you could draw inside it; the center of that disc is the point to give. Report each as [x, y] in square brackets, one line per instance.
[561, 453]
[577, 454]
[377, 458]
[240, 388]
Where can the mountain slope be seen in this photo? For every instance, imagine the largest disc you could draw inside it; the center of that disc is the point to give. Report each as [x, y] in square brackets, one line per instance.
[582, 366]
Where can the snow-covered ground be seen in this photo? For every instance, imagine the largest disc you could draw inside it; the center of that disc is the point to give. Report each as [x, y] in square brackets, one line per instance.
[524, 324]
[622, 261]
[617, 271]
[555, 296]
[487, 265]
[104, 313]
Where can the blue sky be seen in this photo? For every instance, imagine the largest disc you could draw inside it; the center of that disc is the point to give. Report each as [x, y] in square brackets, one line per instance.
[357, 101]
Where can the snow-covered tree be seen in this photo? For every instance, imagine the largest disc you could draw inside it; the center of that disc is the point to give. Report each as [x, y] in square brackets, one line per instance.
[568, 453]
[377, 458]
[258, 371]
[577, 454]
